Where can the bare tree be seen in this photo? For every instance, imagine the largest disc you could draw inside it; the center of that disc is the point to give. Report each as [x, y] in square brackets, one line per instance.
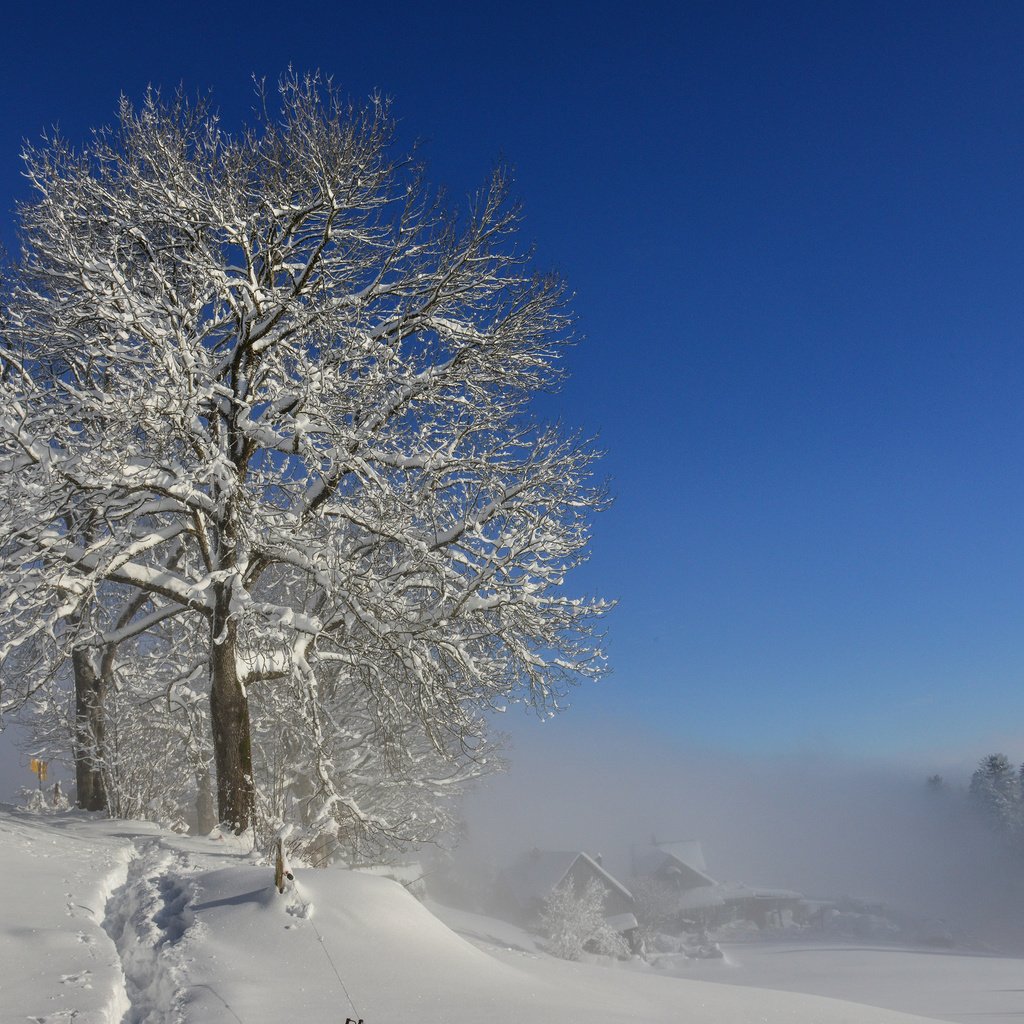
[278, 357]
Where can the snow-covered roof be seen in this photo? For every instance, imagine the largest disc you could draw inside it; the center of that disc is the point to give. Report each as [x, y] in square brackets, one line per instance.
[685, 860]
[688, 852]
[536, 873]
[738, 891]
[706, 896]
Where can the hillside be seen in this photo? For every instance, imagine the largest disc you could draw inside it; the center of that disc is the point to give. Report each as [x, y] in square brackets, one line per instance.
[108, 921]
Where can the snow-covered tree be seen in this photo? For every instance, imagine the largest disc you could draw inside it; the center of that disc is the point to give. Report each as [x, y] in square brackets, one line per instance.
[656, 904]
[151, 749]
[573, 920]
[53, 622]
[284, 393]
[32, 607]
[996, 791]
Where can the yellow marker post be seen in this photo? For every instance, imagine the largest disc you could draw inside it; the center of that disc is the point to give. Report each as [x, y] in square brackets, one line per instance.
[38, 768]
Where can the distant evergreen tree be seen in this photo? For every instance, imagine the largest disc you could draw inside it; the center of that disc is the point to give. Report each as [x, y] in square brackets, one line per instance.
[996, 791]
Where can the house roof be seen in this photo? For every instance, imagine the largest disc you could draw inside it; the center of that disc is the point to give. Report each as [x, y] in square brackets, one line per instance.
[688, 852]
[738, 891]
[536, 873]
[705, 897]
[683, 860]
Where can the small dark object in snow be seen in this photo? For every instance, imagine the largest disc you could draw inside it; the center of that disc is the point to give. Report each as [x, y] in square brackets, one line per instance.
[708, 951]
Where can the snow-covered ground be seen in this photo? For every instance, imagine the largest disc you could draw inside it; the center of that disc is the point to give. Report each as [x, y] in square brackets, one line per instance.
[955, 986]
[107, 921]
[937, 983]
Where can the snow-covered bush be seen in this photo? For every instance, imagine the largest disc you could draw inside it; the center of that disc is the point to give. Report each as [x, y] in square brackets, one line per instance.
[573, 921]
[656, 904]
[34, 801]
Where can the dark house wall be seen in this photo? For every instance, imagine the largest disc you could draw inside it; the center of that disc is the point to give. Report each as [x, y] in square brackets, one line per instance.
[615, 901]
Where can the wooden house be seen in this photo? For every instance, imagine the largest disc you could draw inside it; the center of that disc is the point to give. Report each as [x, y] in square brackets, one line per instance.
[523, 887]
[701, 901]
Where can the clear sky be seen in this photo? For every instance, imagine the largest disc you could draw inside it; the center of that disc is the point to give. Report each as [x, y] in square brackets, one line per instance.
[795, 235]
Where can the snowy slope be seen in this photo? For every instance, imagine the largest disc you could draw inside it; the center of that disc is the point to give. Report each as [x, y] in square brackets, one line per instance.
[107, 921]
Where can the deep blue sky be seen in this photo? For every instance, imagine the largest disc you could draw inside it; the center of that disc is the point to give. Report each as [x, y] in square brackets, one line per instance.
[795, 236]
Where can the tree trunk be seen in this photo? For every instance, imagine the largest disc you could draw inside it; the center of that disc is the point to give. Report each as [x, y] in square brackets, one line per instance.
[92, 795]
[229, 712]
[206, 815]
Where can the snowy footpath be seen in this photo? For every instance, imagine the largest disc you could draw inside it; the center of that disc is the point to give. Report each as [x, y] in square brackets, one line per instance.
[111, 921]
